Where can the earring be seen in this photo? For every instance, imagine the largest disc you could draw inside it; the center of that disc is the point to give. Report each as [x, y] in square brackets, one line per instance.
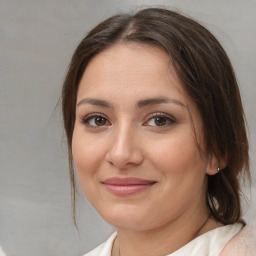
[219, 169]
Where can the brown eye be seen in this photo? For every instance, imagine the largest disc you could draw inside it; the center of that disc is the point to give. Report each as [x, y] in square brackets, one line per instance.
[95, 121]
[99, 121]
[160, 120]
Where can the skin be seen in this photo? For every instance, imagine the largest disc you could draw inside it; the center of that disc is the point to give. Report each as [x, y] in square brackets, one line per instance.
[129, 142]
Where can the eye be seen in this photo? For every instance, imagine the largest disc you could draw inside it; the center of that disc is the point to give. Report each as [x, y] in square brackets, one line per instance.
[159, 119]
[95, 121]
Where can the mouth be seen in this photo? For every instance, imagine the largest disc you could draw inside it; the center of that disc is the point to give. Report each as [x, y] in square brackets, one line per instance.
[127, 186]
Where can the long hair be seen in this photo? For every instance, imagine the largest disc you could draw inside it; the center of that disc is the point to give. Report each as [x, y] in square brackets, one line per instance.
[207, 76]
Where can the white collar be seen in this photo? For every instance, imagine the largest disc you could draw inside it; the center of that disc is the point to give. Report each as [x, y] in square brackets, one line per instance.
[208, 244]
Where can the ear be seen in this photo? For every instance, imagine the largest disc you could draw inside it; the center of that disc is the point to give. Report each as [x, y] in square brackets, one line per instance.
[215, 165]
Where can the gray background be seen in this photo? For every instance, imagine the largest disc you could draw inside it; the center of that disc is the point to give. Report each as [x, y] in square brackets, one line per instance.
[37, 39]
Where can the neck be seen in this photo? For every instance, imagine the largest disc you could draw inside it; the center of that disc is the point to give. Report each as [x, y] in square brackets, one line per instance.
[162, 240]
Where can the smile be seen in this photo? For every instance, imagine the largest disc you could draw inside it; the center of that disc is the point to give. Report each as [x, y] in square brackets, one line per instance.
[127, 186]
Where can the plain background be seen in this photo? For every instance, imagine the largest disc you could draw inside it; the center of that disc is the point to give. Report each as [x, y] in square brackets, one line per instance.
[37, 39]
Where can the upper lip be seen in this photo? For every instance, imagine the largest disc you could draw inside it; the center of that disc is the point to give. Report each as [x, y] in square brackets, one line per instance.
[127, 181]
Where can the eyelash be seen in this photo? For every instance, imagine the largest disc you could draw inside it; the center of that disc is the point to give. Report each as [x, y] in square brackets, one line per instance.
[168, 120]
[85, 120]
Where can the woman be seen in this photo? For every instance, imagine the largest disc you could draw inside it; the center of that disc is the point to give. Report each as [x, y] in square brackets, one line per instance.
[156, 132]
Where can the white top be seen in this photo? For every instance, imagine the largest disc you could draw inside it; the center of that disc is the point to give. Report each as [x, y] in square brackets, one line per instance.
[209, 244]
[2, 252]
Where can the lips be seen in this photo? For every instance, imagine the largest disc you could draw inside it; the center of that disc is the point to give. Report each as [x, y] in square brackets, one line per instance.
[127, 186]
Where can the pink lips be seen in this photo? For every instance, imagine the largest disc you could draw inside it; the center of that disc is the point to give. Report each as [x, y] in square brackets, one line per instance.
[127, 186]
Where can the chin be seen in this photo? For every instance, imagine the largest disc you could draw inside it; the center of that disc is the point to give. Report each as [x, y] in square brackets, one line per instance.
[127, 217]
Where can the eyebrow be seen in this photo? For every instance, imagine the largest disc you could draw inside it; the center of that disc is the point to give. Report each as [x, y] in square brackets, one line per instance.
[158, 100]
[140, 104]
[96, 102]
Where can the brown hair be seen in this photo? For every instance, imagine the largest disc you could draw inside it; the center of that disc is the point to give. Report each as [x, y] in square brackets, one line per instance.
[207, 76]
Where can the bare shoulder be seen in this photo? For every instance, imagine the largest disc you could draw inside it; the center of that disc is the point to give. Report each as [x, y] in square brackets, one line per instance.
[243, 243]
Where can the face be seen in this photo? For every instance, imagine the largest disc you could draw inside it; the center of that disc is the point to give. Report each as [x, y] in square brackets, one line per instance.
[136, 140]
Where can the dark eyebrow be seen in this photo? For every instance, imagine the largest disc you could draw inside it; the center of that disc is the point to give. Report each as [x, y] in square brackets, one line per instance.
[140, 104]
[158, 100]
[97, 102]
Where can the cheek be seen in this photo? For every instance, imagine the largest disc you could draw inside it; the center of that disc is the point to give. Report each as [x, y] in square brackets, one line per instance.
[182, 169]
[176, 154]
[85, 158]
[181, 165]
[86, 155]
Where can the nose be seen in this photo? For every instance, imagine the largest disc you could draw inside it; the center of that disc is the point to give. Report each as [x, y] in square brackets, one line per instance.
[125, 151]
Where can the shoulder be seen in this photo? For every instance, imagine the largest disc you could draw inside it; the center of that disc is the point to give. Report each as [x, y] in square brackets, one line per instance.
[243, 243]
[103, 249]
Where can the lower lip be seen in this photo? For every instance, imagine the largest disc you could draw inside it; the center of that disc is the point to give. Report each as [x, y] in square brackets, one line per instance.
[127, 190]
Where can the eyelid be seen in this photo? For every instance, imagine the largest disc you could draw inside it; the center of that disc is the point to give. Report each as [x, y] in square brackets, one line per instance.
[86, 118]
[170, 118]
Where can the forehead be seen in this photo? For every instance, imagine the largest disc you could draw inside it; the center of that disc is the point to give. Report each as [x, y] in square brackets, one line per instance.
[131, 68]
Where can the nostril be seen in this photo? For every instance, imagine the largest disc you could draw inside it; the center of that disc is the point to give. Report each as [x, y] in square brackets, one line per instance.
[124, 151]
[124, 160]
